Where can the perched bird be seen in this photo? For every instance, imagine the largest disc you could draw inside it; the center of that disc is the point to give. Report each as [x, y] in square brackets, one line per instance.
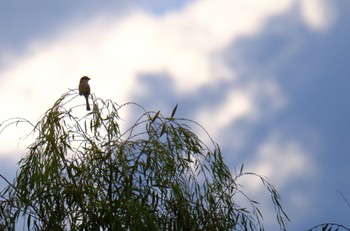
[84, 89]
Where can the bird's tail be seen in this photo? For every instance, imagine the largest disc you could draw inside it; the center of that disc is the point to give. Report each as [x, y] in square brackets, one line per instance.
[87, 103]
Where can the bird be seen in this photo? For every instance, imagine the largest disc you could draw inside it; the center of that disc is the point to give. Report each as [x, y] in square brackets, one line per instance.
[84, 89]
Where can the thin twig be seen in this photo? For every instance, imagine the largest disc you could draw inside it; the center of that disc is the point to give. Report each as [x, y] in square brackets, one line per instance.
[341, 194]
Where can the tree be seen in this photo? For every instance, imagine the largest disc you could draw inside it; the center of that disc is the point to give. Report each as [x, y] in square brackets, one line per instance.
[90, 174]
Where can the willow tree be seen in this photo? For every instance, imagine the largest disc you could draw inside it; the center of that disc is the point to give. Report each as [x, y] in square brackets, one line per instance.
[90, 173]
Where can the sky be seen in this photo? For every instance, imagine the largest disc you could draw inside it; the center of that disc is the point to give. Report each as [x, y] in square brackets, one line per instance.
[267, 79]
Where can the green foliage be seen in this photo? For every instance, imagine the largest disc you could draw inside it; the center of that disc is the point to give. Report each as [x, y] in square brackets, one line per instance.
[90, 173]
[328, 227]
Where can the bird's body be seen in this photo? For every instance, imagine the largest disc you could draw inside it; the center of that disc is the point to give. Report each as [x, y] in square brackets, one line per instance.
[84, 89]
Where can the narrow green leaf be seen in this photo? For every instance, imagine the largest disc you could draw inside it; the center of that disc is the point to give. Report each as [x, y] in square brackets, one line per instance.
[155, 117]
[85, 126]
[174, 111]
[241, 170]
[163, 130]
[324, 228]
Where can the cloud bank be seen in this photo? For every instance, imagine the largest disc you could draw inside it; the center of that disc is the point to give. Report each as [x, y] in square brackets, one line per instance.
[188, 44]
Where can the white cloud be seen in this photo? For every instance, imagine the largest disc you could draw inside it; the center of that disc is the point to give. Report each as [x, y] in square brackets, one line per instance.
[317, 14]
[252, 102]
[237, 104]
[283, 161]
[113, 51]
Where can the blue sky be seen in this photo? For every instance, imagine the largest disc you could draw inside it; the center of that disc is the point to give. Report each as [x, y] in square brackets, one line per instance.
[267, 79]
